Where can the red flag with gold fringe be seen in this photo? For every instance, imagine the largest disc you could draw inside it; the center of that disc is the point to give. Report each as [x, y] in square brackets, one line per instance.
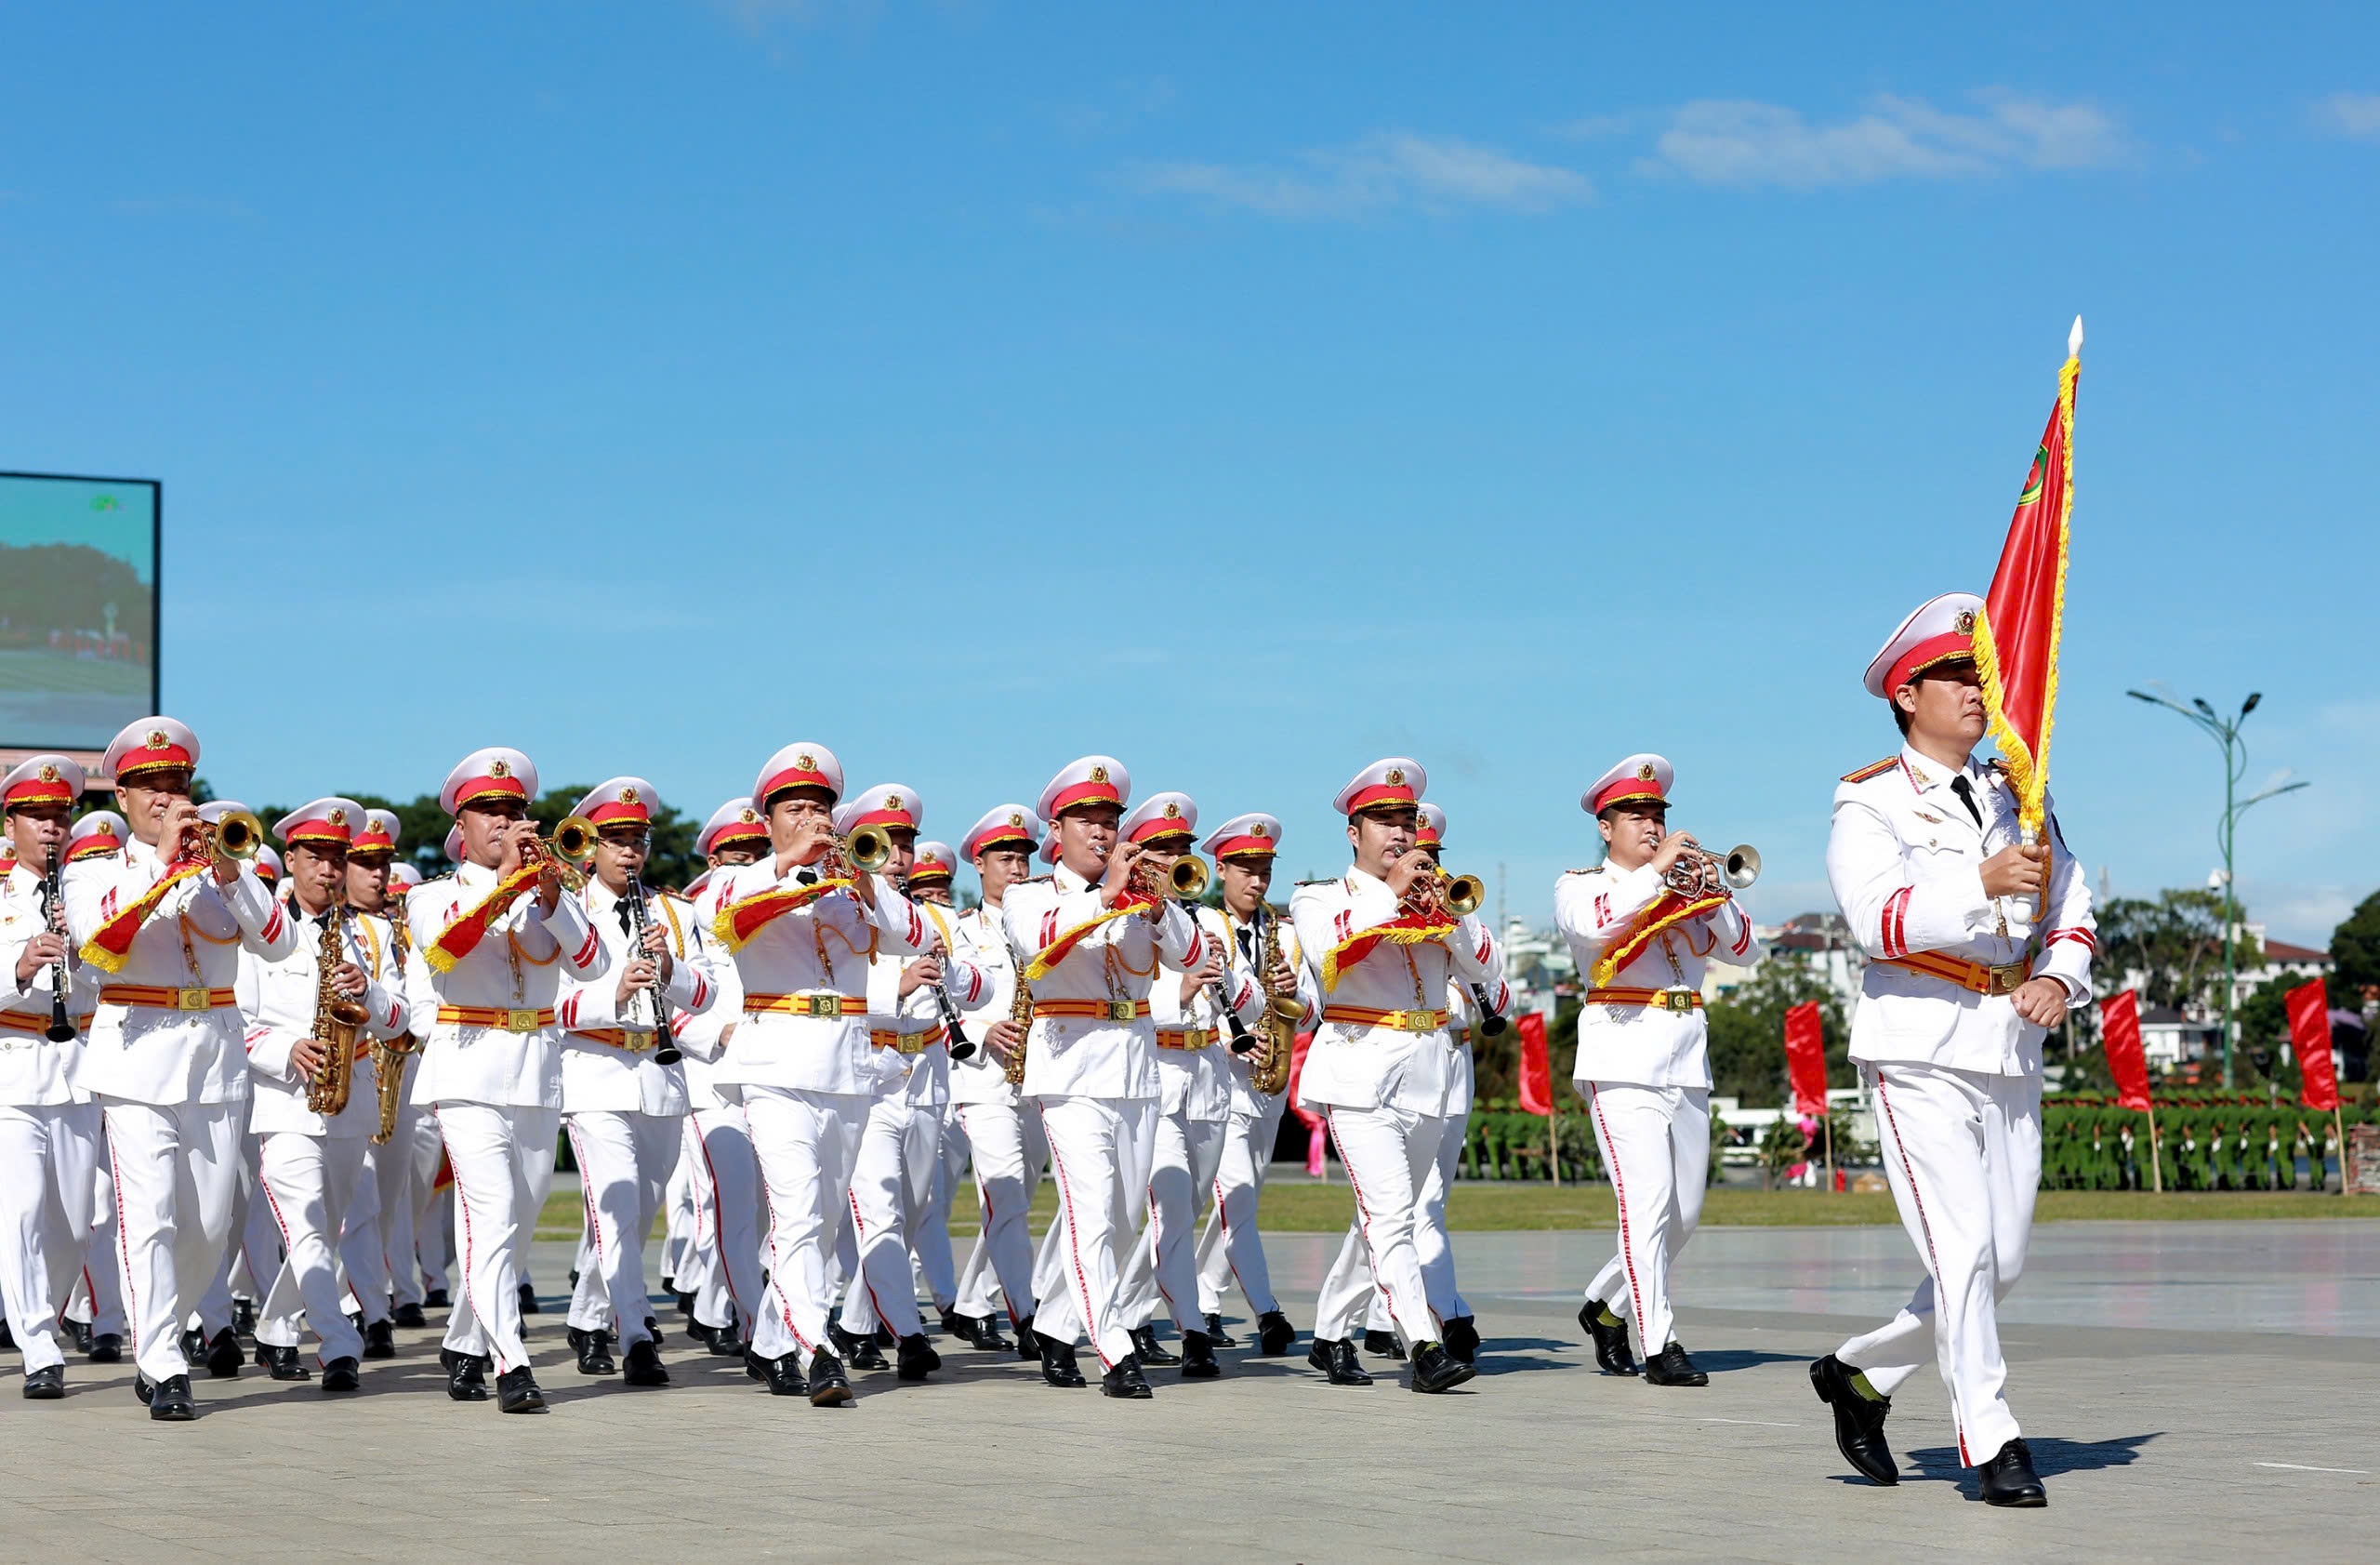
[2016, 637]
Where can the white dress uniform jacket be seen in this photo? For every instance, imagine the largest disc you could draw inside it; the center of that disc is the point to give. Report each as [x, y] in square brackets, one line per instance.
[704, 1038]
[1646, 1045]
[1196, 1084]
[922, 1079]
[821, 949]
[36, 1072]
[277, 1003]
[982, 941]
[1903, 860]
[1363, 1064]
[519, 964]
[1247, 955]
[597, 1073]
[146, 1053]
[1094, 1056]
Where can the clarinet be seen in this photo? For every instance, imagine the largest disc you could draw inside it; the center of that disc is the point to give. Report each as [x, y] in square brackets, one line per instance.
[961, 1046]
[1242, 1041]
[53, 891]
[665, 1051]
[1490, 1024]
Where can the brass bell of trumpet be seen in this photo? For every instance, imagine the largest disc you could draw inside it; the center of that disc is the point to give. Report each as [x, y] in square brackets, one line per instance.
[573, 841]
[235, 834]
[1464, 895]
[1739, 868]
[867, 849]
[1187, 878]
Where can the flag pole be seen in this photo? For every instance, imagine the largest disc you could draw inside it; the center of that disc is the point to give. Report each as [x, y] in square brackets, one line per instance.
[1826, 1128]
[2339, 1128]
[2155, 1158]
[1554, 1138]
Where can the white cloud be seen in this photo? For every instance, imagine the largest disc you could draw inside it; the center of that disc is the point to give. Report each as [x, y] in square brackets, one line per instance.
[1390, 169]
[1731, 141]
[2350, 113]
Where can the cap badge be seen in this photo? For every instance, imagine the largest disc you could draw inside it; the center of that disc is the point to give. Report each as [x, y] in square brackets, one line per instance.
[499, 768]
[891, 800]
[1099, 774]
[627, 796]
[749, 815]
[1396, 776]
[1173, 811]
[1260, 830]
[157, 740]
[1016, 820]
[805, 762]
[337, 817]
[1966, 622]
[1644, 773]
[105, 828]
[49, 773]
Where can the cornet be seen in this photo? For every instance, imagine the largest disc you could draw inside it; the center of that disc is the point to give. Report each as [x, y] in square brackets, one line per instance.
[235, 834]
[1697, 867]
[1187, 881]
[569, 849]
[864, 851]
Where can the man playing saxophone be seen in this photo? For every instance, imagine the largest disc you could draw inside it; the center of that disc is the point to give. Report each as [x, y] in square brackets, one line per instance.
[1643, 926]
[1265, 945]
[309, 1014]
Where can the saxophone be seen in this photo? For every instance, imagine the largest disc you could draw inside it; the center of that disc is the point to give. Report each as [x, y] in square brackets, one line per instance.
[388, 1058]
[336, 1022]
[1020, 1011]
[1280, 1024]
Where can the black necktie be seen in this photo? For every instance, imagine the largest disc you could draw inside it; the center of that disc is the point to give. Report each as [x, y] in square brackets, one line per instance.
[1247, 945]
[628, 924]
[1965, 790]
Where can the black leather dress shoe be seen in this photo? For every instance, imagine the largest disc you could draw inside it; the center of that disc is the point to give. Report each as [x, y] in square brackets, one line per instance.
[380, 1340]
[1199, 1356]
[46, 1384]
[437, 1299]
[1610, 1339]
[953, 1323]
[1274, 1336]
[1146, 1349]
[914, 1357]
[1671, 1367]
[342, 1374]
[223, 1355]
[653, 1329]
[781, 1374]
[829, 1387]
[244, 1317]
[644, 1366]
[594, 1352]
[193, 1345]
[466, 1375]
[79, 1333]
[2008, 1478]
[7, 1338]
[281, 1363]
[528, 1296]
[1124, 1379]
[1383, 1345]
[408, 1318]
[144, 1390]
[1858, 1420]
[107, 1348]
[987, 1334]
[171, 1402]
[1463, 1338]
[1058, 1363]
[1335, 1356]
[1028, 1341]
[884, 1337]
[1215, 1332]
[573, 1279]
[516, 1391]
[724, 1342]
[858, 1352]
[1436, 1369]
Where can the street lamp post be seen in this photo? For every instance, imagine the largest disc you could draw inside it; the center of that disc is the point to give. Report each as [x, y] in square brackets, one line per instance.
[2225, 732]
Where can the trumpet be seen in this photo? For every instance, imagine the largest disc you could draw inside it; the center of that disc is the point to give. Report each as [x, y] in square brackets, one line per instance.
[570, 851]
[1699, 871]
[237, 835]
[1187, 881]
[864, 850]
[1439, 893]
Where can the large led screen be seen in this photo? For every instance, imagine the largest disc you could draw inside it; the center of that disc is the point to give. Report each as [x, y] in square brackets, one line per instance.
[78, 608]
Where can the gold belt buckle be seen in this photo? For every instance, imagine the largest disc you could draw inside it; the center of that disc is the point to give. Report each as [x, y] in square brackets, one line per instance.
[822, 1005]
[1677, 1000]
[636, 1040]
[2008, 977]
[911, 1043]
[1413, 1021]
[519, 1021]
[1120, 1010]
[192, 1000]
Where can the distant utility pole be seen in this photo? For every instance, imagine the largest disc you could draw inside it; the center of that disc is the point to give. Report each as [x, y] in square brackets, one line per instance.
[2225, 732]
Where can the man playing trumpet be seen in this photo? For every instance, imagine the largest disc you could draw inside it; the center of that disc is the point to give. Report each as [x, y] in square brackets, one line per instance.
[1643, 927]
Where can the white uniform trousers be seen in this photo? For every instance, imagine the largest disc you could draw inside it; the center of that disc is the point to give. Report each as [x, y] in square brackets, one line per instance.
[929, 1239]
[1963, 1153]
[252, 1258]
[679, 1219]
[307, 1182]
[1007, 1151]
[176, 1168]
[1388, 1154]
[1230, 1247]
[891, 1181]
[723, 1262]
[401, 1176]
[1656, 1144]
[805, 1143]
[99, 1296]
[1164, 1264]
[625, 1159]
[503, 1156]
[361, 1256]
[47, 1184]
[1430, 1241]
[1100, 1150]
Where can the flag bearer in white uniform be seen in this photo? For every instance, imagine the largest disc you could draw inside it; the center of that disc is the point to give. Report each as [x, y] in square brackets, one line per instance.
[1230, 1247]
[497, 937]
[901, 1149]
[163, 1056]
[1194, 1039]
[722, 1264]
[1381, 1066]
[1005, 1141]
[802, 925]
[310, 1164]
[623, 1104]
[1098, 931]
[379, 1252]
[50, 1128]
[1643, 927]
[1977, 943]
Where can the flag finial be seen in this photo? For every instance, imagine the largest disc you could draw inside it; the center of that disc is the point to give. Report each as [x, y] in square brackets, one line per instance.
[2075, 339]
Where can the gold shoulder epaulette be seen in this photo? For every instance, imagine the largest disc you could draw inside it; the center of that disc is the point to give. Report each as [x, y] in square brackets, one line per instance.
[1584, 870]
[1326, 880]
[1873, 769]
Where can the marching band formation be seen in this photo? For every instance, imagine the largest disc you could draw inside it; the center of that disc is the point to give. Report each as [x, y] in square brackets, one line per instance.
[235, 1085]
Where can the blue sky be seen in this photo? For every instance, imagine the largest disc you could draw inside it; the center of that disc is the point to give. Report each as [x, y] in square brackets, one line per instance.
[1248, 391]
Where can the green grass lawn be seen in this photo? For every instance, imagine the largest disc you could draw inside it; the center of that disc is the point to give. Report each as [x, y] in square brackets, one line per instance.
[1302, 1208]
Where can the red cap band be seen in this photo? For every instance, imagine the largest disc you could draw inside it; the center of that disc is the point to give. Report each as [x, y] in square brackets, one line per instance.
[1943, 648]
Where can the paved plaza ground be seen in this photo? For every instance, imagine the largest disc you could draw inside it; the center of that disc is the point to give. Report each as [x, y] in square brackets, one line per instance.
[2197, 1390]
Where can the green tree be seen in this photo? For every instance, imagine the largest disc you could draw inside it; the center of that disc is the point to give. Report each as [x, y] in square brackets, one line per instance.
[2175, 941]
[1748, 1032]
[2355, 946]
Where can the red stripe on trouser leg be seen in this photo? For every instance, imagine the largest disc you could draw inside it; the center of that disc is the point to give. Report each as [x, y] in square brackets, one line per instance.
[859, 1228]
[470, 1254]
[1627, 1246]
[719, 1233]
[1933, 1263]
[1363, 1218]
[124, 1253]
[1074, 1252]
